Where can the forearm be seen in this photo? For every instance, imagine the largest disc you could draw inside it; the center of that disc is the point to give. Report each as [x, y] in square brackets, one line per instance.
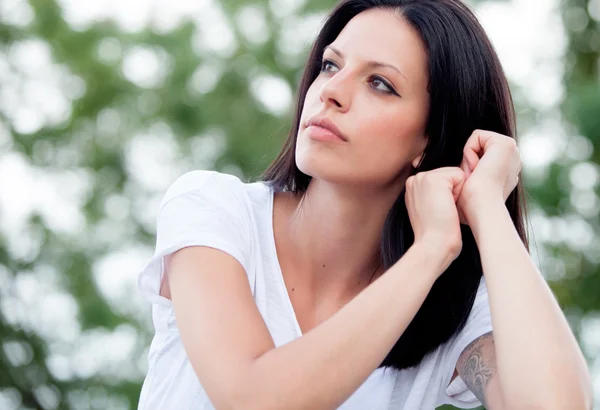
[321, 369]
[538, 359]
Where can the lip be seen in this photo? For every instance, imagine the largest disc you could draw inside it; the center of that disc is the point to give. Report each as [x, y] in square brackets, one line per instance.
[324, 122]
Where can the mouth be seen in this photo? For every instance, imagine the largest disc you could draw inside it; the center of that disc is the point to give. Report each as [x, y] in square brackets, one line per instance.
[325, 128]
[322, 134]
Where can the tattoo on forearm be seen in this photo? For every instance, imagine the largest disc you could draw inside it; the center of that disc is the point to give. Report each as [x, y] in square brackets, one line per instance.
[476, 369]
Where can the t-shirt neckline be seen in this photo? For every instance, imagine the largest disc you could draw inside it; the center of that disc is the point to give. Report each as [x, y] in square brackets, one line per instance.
[279, 271]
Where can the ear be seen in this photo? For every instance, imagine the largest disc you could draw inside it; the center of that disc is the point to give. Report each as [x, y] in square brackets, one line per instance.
[417, 160]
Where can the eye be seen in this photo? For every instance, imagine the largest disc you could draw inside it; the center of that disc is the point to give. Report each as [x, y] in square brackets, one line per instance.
[388, 88]
[325, 63]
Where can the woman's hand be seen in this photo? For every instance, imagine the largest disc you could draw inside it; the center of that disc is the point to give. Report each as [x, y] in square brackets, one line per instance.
[431, 203]
[491, 163]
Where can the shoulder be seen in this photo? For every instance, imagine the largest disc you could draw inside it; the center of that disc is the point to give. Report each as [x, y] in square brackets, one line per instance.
[211, 185]
[206, 208]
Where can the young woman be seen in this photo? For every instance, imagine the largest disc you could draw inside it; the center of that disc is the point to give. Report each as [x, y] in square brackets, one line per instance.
[350, 277]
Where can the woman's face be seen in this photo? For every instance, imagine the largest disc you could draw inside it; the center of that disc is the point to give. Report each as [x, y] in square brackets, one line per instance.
[380, 110]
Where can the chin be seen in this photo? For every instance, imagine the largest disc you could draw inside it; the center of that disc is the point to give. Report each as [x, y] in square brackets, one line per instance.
[324, 169]
[320, 162]
[336, 164]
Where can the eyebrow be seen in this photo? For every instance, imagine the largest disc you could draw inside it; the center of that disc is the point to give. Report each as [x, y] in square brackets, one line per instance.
[369, 63]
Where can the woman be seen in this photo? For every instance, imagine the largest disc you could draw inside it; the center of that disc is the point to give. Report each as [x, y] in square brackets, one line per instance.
[344, 279]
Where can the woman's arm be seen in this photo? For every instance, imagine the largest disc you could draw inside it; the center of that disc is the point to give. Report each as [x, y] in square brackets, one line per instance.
[324, 367]
[234, 357]
[228, 343]
[538, 361]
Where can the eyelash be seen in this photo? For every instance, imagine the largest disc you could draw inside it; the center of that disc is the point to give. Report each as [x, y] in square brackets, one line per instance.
[392, 91]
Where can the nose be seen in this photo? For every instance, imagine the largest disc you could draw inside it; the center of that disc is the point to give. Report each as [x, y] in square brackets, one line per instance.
[336, 91]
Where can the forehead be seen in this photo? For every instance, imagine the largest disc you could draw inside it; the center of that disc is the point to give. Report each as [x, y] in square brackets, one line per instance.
[385, 36]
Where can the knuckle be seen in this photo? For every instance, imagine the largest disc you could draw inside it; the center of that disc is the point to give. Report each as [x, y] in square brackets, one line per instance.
[430, 176]
[455, 246]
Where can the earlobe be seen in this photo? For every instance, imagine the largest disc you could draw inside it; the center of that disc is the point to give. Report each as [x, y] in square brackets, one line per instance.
[417, 160]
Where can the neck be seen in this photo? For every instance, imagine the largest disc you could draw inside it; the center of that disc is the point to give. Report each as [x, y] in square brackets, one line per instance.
[328, 238]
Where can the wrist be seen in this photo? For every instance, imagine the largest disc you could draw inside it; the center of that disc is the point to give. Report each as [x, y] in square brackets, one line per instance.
[485, 217]
[438, 254]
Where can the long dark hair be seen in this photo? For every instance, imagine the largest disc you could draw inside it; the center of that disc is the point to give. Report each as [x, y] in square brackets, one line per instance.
[468, 91]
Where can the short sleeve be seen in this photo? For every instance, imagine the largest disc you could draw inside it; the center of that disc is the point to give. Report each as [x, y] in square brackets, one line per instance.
[201, 208]
[478, 323]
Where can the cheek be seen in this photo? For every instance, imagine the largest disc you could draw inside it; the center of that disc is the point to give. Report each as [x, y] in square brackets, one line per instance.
[391, 131]
[390, 141]
[390, 118]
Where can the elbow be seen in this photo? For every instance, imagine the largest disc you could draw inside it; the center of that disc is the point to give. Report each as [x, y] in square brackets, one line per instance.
[243, 397]
[248, 402]
[259, 388]
[573, 400]
[567, 394]
[579, 400]
[253, 397]
[247, 394]
[579, 397]
[243, 400]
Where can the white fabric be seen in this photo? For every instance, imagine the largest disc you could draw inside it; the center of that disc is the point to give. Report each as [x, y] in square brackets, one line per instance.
[218, 210]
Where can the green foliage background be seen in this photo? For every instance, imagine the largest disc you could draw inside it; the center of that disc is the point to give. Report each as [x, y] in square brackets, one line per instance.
[204, 105]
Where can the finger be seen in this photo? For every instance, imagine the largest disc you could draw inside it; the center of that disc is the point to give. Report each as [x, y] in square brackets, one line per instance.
[469, 162]
[409, 182]
[471, 157]
[480, 140]
[457, 190]
[476, 146]
[456, 178]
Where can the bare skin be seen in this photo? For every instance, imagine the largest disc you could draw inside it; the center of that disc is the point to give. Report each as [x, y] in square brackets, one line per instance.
[477, 366]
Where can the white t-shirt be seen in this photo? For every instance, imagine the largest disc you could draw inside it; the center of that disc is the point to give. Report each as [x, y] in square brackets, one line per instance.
[218, 210]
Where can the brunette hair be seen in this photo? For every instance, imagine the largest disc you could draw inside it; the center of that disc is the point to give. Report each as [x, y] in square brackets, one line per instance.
[468, 90]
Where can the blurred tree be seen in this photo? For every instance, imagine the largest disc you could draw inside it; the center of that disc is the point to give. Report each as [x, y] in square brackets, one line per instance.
[568, 194]
[574, 181]
[176, 88]
[189, 97]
